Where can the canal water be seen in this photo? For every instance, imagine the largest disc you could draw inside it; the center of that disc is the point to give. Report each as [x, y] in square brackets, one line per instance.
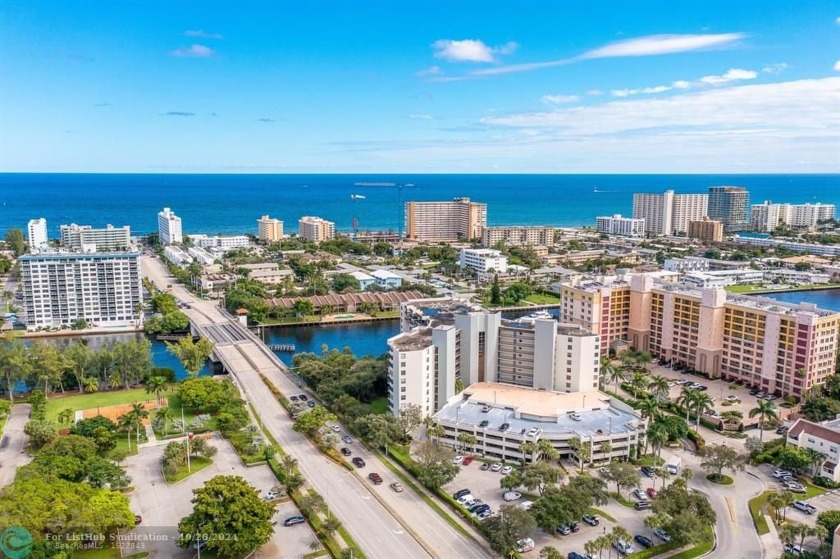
[823, 298]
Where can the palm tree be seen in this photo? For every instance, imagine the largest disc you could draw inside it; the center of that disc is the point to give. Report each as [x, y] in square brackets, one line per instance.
[788, 498]
[435, 432]
[139, 413]
[66, 416]
[687, 474]
[686, 399]
[465, 439]
[606, 449]
[776, 501]
[764, 410]
[638, 382]
[90, 384]
[642, 359]
[815, 459]
[657, 436]
[616, 375]
[526, 448]
[606, 370]
[702, 404]
[732, 416]
[157, 386]
[547, 450]
[659, 388]
[649, 408]
[127, 423]
[165, 416]
[619, 533]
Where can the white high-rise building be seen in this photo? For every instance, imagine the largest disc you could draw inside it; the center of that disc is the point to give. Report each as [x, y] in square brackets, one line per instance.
[669, 213]
[484, 260]
[459, 219]
[60, 288]
[617, 225]
[36, 231]
[169, 228]
[84, 238]
[767, 216]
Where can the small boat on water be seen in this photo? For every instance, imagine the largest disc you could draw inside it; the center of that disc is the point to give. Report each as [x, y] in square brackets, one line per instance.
[596, 191]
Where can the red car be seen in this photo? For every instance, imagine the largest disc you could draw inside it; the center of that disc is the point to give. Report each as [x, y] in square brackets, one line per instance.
[467, 461]
[375, 478]
[651, 492]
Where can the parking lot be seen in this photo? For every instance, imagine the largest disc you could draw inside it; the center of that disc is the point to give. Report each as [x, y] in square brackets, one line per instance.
[162, 506]
[484, 485]
[824, 502]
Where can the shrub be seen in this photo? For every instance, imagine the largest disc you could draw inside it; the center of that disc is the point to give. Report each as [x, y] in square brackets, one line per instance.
[828, 483]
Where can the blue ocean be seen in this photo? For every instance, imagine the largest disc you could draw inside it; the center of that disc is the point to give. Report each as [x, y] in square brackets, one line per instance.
[231, 204]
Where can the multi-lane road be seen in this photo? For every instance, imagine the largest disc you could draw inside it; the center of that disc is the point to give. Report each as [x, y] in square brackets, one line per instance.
[384, 524]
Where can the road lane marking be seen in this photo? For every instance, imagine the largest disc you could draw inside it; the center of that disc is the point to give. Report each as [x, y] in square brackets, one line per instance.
[730, 505]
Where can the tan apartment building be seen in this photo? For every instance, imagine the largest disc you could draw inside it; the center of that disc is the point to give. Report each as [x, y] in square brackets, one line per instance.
[669, 213]
[517, 236]
[601, 306]
[269, 230]
[315, 229]
[706, 230]
[771, 345]
[457, 220]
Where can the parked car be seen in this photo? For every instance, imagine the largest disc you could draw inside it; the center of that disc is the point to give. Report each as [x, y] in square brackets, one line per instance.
[778, 474]
[271, 495]
[575, 527]
[496, 467]
[805, 507]
[358, 462]
[642, 505]
[292, 520]
[732, 398]
[467, 461]
[795, 486]
[484, 467]
[310, 403]
[643, 541]
[336, 428]
[755, 392]
[526, 505]
[477, 504]
[623, 547]
[525, 545]
[512, 496]
[793, 549]
[506, 470]
[564, 530]
[346, 439]
[651, 492]
[484, 514]
[466, 499]
[480, 509]
[458, 459]
[591, 519]
[294, 398]
[640, 494]
[661, 534]
[460, 493]
[648, 471]
[397, 486]
[504, 426]
[576, 555]
[782, 430]
[484, 423]
[345, 451]
[303, 397]
[375, 478]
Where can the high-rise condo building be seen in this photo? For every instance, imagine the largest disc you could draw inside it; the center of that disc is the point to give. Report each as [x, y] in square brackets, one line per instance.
[767, 216]
[623, 226]
[269, 230]
[169, 228]
[729, 205]
[600, 305]
[517, 236]
[460, 219]
[84, 238]
[102, 288]
[315, 230]
[706, 230]
[36, 231]
[669, 213]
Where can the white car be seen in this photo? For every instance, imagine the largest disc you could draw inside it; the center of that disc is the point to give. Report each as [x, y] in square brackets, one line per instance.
[458, 459]
[732, 398]
[464, 499]
[526, 505]
[271, 495]
[640, 494]
[506, 470]
[779, 474]
[525, 545]
[336, 428]
[623, 547]
[512, 496]
[496, 467]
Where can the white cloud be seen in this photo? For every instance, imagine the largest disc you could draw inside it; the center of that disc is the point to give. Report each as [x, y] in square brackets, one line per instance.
[651, 45]
[776, 68]
[733, 74]
[470, 50]
[837, 66]
[203, 34]
[662, 44]
[420, 116]
[194, 51]
[431, 71]
[559, 99]
[837, 21]
[594, 92]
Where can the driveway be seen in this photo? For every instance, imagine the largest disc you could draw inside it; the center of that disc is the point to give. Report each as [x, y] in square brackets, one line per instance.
[162, 506]
[13, 444]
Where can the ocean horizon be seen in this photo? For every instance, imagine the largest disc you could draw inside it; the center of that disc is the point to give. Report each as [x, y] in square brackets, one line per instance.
[232, 203]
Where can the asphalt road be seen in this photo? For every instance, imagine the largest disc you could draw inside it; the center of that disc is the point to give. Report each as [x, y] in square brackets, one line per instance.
[13, 444]
[379, 530]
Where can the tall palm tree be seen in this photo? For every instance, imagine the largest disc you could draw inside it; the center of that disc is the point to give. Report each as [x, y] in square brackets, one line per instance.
[547, 450]
[157, 386]
[687, 474]
[606, 370]
[90, 384]
[139, 413]
[659, 388]
[764, 410]
[657, 436]
[127, 423]
[649, 408]
[702, 404]
[788, 498]
[165, 415]
[686, 399]
[642, 359]
[527, 448]
[616, 375]
[639, 382]
[815, 459]
[776, 501]
[66, 416]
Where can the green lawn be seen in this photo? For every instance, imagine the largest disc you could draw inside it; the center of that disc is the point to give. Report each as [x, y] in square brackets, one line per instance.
[197, 463]
[700, 549]
[623, 501]
[812, 490]
[723, 479]
[174, 402]
[379, 405]
[76, 401]
[756, 505]
[745, 288]
[602, 514]
[542, 299]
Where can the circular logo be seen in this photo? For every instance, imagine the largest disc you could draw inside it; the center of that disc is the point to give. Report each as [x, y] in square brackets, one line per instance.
[16, 542]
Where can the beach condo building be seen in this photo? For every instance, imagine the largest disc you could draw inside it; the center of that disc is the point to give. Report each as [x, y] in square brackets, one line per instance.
[768, 216]
[269, 230]
[84, 238]
[221, 243]
[458, 220]
[729, 205]
[776, 347]
[169, 228]
[484, 261]
[622, 226]
[315, 229]
[517, 236]
[669, 213]
[36, 234]
[707, 230]
[599, 304]
[102, 288]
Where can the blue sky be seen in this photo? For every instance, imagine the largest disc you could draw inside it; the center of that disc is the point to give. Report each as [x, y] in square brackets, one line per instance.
[473, 87]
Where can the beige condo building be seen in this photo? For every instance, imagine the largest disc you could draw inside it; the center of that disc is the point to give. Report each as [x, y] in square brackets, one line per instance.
[457, 220]
[269, 230]
[518, 236]
[315, 229]
[600, 305]
[706, 230]
[669, 213]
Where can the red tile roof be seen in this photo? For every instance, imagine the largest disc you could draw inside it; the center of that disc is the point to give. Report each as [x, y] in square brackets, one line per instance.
[391, 297]
[814, 429]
